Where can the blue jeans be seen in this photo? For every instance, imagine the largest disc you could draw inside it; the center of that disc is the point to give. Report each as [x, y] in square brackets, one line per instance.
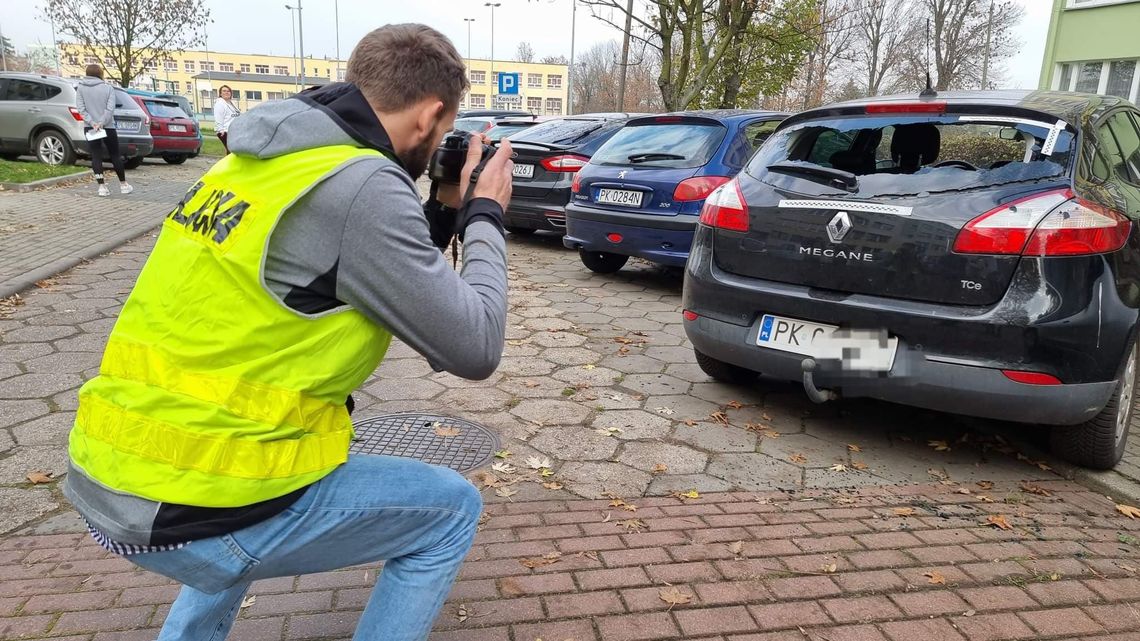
[420, 519]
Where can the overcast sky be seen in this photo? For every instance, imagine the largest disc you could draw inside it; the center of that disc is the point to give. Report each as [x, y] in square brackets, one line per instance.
[263, 26]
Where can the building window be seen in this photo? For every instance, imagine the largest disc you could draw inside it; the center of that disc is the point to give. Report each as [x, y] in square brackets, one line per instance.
[1088, 78]
[1120, 73]
[176, 86]
[478, 101]
[340, 74]
[478, 77]
[261, 68]
[252, 95]
[151, 65]
[534, 105]
[534, 80]
[90, 60]
[226, 66]
[554, 106]
[1066, 77]
[276, 95]
[206, 65]
[109, 63]
[495, 79]
[170, 65]
[234, 93]
[243, 67]
[72, 59]
[281, 70]
[553, 81]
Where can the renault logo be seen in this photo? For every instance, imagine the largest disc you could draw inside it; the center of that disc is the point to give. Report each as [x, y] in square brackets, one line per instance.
[622, 173]
[838, 227]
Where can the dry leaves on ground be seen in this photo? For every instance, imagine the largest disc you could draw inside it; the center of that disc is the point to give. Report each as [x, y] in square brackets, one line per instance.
[734, 405]
[798, 458]
[248, 601]
[737, 548]
[660, 468]
[664, 410]
[444, 431]
[690, 422]
[506, 492]
[939, 446]
[38, 477]
[538, 463]
[1128, 510]
[999, 521]
[552, 485]
[531, 384]
[1035, 489]
[941, 475]
[503, 453]
[546, 559]
[851, 447]
[829, 568]
[935, 578]
[632, 525]
[691, 494]
[503, 467]
[985, 485]
[838, 467]
[859, 465]
[904, 511]
[719, 417]
[673, 596]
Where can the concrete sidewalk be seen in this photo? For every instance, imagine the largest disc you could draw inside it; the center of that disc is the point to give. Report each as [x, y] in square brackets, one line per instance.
[897, 563]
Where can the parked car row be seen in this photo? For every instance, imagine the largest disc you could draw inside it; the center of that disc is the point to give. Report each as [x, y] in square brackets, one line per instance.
[971, 252]
[39, 117]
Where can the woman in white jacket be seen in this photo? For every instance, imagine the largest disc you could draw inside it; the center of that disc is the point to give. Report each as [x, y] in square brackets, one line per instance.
[224, 113]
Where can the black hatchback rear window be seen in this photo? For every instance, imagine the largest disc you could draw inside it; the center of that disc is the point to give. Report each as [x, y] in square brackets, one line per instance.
[897, 154]
[564, 131]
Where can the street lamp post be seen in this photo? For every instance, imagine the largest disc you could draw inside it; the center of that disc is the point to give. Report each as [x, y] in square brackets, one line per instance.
[55, 46]
[301, 41]
[3, 53]
[469, 21]
[570, 69]
[336, 18]
[293, 25]
[494, 85]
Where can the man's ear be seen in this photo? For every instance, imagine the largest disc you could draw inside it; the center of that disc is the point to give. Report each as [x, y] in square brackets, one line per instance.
[429, 115]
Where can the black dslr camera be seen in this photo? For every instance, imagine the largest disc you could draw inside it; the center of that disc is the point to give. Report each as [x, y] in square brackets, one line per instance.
[447, 162]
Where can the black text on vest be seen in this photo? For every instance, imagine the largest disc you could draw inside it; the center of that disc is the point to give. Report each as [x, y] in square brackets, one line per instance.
[217, 216]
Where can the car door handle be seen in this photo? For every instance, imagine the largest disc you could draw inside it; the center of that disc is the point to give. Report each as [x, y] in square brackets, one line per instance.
[34, 109]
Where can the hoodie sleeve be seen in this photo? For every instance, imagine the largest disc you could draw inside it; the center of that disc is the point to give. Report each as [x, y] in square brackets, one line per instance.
[390, 270]
[81, 105]
[110, 113]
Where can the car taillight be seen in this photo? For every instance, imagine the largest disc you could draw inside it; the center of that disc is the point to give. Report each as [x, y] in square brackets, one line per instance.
[698, 188]
[154, 126]
[689, 315]
[1031, 378]
[725, 208]
[576, 184]
[75, 114]
[565, 162]
[1051, 223]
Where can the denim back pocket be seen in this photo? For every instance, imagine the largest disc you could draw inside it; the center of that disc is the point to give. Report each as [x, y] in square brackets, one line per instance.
[207, 565]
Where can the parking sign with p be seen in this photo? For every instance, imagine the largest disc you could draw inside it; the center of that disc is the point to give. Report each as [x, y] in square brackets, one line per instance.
[509, 83]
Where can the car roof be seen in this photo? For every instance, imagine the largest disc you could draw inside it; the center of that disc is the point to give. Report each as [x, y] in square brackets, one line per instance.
[723, 115]
[1070, 106]
[36, 76]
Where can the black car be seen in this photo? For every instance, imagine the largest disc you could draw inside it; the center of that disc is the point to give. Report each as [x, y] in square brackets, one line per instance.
[546, 157]
[974, 252]
[479, 121]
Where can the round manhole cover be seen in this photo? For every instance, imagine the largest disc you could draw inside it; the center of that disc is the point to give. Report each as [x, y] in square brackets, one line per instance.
[431, 438]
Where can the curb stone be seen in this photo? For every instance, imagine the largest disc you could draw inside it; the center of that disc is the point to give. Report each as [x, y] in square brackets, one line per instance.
[28, 279]
[21, 188]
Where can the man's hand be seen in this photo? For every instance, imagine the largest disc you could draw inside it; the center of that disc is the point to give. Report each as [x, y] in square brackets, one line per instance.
[452, 195]
[495, 181]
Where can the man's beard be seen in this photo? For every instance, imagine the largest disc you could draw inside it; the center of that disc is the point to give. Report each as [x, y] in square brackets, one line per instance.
[416, 160]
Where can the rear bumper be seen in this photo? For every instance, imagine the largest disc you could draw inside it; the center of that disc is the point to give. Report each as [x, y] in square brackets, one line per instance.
[130, 146]
[660, 239]
[175, 145]
[535, 214]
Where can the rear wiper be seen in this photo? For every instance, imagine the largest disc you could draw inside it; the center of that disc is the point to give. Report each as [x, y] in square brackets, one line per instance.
[844, 179]
[538, 144]
[645, 157]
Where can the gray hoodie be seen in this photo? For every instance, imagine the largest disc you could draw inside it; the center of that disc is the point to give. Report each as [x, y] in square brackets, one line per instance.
[358, 239]
[95, 100]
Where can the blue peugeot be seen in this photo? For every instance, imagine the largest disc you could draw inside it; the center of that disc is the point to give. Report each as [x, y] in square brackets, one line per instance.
[642, 191]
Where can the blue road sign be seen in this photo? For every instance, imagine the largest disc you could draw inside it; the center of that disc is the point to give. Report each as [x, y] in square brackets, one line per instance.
[509, 83]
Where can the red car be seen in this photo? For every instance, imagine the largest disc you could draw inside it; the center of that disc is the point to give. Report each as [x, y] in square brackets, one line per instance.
[175, 134]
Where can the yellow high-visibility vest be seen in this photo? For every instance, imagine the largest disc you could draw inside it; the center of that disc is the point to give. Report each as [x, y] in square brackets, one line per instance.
[211, 391]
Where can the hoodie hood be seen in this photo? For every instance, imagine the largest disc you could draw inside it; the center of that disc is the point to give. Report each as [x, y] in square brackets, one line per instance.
[335, 114]
[92, 81]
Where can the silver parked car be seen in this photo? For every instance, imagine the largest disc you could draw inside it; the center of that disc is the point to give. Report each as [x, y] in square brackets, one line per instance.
[38, 117]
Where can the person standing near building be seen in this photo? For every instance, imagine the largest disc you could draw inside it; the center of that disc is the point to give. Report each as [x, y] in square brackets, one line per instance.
[95, 100]
[224, 113]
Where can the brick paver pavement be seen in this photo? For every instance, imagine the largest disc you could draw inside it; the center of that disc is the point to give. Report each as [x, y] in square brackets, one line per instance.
[901, 563]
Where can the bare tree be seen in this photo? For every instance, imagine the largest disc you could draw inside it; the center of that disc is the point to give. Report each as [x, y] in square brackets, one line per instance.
[833, 43]
[596, 80]
[525, 52]
[131, 35]
[555, 60]
[881, 29]
[958, 41]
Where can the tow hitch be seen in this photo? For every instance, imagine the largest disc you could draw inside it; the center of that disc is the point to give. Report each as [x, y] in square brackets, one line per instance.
[814, 393]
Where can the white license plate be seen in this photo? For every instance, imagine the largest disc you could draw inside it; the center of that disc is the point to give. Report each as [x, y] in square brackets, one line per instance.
[178, 128]
[856, 349]
[524, 171]
[127, 125]
[619, 197]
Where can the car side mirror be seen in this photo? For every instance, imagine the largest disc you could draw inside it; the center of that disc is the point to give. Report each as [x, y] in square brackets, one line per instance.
[1009, 133]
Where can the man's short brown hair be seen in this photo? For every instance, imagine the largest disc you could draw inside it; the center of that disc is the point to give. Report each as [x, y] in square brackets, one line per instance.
[399, 65]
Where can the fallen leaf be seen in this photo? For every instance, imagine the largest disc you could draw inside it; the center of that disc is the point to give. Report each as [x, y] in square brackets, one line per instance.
[490, 480]
[859, 465]
[589, 554]
[764, 415]
[660, 468]
[999, 521]
[248, 601]
[985, 499]
[853, 448]
[986, 485]
[589, 366]
[1055, 577]
[633, 525]
[552, 485]
[690, 422]
[546, 559]
[736, 547]
[614, 397]
[941, 475]
[963, 490]
[734, 405]
[504, 467]
[516, 343]
[531, 383]
[719, 417]
[664, 410]
[829, 569]
[838, 467]
[673, 596]
[798, 458]
[606, 517]
[545, 472]
[1128, 510]
[609, 431]
[511, 587]
[691, 494]
[904, 511]
[506, 492]
[935, 578]
[939, 446]
[441, 430]
[537, 463]
[1035, 489]
[462, 613]
[40, 477]
[969, 613]
[503, 453]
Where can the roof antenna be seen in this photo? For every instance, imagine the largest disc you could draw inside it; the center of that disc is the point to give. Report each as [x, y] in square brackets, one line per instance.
[928, 91]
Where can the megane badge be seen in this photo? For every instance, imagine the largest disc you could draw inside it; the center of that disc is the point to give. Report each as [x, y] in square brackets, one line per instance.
[838, 227]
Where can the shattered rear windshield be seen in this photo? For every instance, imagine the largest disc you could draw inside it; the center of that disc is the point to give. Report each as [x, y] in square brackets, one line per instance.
[904, 155]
